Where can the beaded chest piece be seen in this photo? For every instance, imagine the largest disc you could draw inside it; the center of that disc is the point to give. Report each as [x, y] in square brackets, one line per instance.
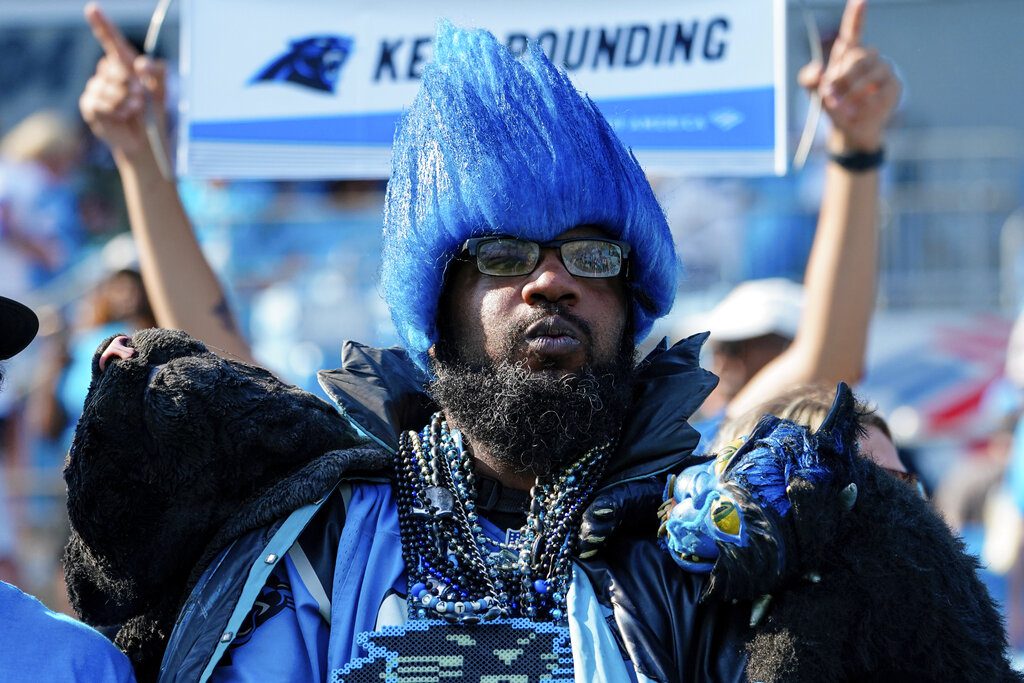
[456, 571]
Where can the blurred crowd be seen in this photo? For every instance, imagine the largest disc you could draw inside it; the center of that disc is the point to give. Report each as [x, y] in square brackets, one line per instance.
[292, 256]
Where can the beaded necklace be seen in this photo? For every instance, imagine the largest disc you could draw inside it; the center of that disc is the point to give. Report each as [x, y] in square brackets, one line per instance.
[456, 571]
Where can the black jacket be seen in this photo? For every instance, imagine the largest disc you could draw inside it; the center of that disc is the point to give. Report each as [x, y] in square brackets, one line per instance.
[191, 476]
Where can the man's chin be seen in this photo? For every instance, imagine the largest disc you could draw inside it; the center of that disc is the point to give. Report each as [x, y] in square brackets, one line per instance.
[534, 411]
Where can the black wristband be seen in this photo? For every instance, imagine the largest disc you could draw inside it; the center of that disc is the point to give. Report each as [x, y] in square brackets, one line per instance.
[859, 162]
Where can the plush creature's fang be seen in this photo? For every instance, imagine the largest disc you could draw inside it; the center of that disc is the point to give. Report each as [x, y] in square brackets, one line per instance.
[663, 528]
[848, 496]
[586, 555]
[695, 562]
[603, 513]
[690, 557]
[759, 609]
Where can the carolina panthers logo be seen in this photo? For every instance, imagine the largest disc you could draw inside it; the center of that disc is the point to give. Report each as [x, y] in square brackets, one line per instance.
[503, 651]
[314, 62]
[275, 597]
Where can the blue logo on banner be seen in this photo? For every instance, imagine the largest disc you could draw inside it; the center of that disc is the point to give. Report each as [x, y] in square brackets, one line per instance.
[314, 62]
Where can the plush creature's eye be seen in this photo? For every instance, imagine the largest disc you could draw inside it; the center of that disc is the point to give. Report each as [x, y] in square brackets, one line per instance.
[725, 516]
[725, 455]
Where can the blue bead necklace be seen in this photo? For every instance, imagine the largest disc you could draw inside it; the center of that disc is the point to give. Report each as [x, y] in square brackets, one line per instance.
[456, 571]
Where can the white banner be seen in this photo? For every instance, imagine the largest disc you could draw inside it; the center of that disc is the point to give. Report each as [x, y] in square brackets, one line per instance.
[314, 88]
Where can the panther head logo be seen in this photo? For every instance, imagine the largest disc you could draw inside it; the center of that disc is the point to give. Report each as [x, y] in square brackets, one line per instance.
[313, 62]
[501, 651]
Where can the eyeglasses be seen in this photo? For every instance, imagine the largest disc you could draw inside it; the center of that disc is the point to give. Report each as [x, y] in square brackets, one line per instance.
[593, 257]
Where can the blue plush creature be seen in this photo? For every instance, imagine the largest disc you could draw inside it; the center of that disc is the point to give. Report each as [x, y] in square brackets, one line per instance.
[313, 62]
[849, 574]
[698, 516]
[702, 511]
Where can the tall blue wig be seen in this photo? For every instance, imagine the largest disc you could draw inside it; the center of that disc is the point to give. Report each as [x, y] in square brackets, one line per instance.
[499, 145]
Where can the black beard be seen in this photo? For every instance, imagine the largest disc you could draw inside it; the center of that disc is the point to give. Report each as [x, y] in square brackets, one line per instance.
[533, 422]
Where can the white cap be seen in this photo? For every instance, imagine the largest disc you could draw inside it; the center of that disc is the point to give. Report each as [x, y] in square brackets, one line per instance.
[756, 308]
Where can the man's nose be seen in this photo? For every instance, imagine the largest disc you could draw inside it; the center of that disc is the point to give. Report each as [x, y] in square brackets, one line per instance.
[550, 281]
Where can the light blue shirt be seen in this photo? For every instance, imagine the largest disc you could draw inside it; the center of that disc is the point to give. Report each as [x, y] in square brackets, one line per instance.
[37, 644]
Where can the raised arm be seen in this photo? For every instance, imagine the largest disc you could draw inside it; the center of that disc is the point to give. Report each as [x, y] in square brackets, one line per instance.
[182, 287]
[859, 92]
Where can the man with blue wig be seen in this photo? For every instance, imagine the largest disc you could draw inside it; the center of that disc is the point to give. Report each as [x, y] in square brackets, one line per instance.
[524, 256]
[485, 506]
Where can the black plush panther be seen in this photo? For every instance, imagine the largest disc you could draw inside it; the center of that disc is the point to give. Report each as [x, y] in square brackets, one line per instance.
[314, 62]
[851, 576]
[179, 452]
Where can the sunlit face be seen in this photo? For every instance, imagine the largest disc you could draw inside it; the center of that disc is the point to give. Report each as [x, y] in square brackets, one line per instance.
[548, 320]
[879, 448]
[737, 362]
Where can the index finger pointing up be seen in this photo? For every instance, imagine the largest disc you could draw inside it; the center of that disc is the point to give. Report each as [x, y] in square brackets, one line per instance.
[851, 28]
[109, 36]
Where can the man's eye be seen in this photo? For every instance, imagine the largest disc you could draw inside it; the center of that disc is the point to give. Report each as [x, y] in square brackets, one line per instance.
[504, 258]
[594, 258]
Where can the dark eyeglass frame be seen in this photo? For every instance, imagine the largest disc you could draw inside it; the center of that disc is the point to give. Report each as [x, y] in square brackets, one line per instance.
[472, 246]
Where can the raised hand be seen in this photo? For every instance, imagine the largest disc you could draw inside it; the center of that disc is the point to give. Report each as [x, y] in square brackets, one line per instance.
[858, 87]
[114, 100]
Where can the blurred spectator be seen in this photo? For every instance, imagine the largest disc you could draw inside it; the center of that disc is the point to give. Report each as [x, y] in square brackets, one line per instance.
[750, 327]
[970, 499]
[35, 643]
[809, 406]
[117, 304]
[18, 326]
[1014, 494]
[39, 220]
[8, 536]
